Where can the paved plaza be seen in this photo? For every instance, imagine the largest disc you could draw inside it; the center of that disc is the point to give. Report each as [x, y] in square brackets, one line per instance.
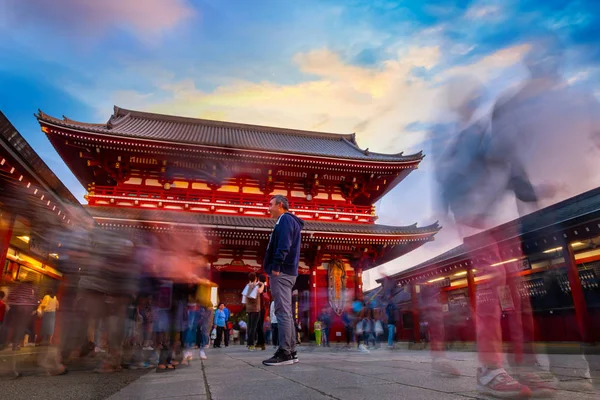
[336, 373]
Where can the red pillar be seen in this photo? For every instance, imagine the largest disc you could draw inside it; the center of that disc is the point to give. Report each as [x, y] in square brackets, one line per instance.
[7, 222]
[313, 297]
[581, 311]
[415, 312]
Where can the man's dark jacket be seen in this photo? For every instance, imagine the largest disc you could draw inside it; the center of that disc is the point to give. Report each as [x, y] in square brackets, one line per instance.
[283, 251]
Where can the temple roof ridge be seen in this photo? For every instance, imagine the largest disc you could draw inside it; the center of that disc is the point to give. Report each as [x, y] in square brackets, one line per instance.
[120, 112]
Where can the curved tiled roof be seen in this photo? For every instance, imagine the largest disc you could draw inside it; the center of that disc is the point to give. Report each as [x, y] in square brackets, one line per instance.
[183, 130]
[27, 156]
[225, 221]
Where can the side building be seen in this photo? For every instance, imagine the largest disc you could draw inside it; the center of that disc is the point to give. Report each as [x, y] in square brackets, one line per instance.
[35, 209]
[161, 172]
[558, 256]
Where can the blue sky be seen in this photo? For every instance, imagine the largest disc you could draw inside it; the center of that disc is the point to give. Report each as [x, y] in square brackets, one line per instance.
[374, 67]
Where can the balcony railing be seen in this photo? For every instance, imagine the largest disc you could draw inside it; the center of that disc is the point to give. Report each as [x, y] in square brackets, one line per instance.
[225, 202]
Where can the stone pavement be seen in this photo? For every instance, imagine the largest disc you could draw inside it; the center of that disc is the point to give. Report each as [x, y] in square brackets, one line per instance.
[235, 373]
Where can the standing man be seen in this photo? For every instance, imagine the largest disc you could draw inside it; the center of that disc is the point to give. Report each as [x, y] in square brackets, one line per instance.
[281, 263]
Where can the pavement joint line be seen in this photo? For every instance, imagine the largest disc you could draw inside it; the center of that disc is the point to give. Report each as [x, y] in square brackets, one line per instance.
[271, 371]
[206, 385]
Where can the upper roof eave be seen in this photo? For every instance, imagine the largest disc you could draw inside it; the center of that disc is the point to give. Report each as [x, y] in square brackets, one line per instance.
[339, 146]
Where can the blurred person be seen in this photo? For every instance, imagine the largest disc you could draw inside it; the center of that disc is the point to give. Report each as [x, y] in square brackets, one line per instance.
[243, 331]
[281, 264]
[265, 303]
[391, 312]
[48, 309]
[466, 180]
[561, 124]
[378, 330]
[274, 325]
[228, 325]
[267, 329]
[434, 330]
[325, 326]
[369, 330]
[22, 300]
[2, 310]
[255, 289]
[298, 326]
[518, 156]
[348, 329]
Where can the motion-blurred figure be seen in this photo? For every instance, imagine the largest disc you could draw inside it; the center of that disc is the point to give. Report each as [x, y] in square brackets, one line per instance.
[552, 131]
[538, 141]
[470, 183]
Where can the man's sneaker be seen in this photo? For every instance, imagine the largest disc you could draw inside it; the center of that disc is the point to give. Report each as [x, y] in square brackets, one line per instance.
[295, 356]
[280, 358]
[498, 383]
[202, 355]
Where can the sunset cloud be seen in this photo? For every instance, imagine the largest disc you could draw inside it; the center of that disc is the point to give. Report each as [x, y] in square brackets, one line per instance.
[146, 19]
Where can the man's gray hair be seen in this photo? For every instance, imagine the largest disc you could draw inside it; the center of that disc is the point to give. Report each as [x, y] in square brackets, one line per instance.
[281, 199]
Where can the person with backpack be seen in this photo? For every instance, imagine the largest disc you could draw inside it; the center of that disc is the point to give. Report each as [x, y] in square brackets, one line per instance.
[254, 291]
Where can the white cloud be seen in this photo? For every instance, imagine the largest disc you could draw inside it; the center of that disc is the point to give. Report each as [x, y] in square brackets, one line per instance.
[487, 10]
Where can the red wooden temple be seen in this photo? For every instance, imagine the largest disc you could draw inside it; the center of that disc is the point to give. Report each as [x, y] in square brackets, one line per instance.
[152, 171]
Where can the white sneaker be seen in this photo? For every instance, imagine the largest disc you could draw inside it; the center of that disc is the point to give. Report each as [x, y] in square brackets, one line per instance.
[99, 350]
[202, 355]
[363, 348]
